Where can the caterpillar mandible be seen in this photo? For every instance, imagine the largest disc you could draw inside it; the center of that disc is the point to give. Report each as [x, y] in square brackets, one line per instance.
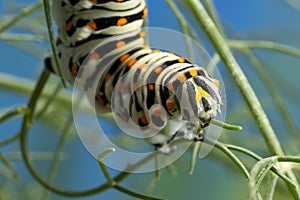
[147, 88]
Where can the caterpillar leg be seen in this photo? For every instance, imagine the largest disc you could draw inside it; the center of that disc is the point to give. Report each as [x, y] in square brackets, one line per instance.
[188, 134]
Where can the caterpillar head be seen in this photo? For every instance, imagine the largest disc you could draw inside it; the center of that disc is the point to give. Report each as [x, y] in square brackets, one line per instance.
[198, 97]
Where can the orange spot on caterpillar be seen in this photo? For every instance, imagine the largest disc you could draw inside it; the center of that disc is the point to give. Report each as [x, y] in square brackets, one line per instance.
[124, 57]
[69, 25]
[158, 69]
[142, 34]
[181, 60]
[92, 25]
[181, 78]
[144, 119]
[134, 87]
[121, 21]
[74, 70]
[94, 56]
[124, 118]
[131, 62]
[193, 72]
[100, 101]
[170, 105]
[107, 77]
[170, 87]
[155, 51]
[145, 13]
[120, 44]
[121, 86]
[142, 66]
[151, 86]
[156, 112]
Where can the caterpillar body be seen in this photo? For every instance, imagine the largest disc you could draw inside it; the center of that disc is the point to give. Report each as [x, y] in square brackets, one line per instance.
[148, 89]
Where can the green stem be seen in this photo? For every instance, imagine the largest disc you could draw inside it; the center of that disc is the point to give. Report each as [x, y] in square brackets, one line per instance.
[238, 163]
[52, 40]
[286, 116]
[195, 154]
[49, 101]
[10, 140]
[295, 159]
[258, 158]
[26, 11]
[271, 185]
[9, 166]
[274, 46]
[13, 112]
[209, 5]
[184, 27]
[20, 38]
[11, 83]
[226, 125]
[133, 194]
[237, 76]
[110, 181]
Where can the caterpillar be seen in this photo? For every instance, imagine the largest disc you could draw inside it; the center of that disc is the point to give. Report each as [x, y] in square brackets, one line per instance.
[102, 43]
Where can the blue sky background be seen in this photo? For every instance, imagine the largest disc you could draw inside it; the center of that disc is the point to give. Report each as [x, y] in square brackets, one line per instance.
[248, 19]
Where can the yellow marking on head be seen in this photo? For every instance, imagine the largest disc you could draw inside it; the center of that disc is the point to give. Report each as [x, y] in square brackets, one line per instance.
[201, 93]
[216, 82]
[204, 93]
[198, 96]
